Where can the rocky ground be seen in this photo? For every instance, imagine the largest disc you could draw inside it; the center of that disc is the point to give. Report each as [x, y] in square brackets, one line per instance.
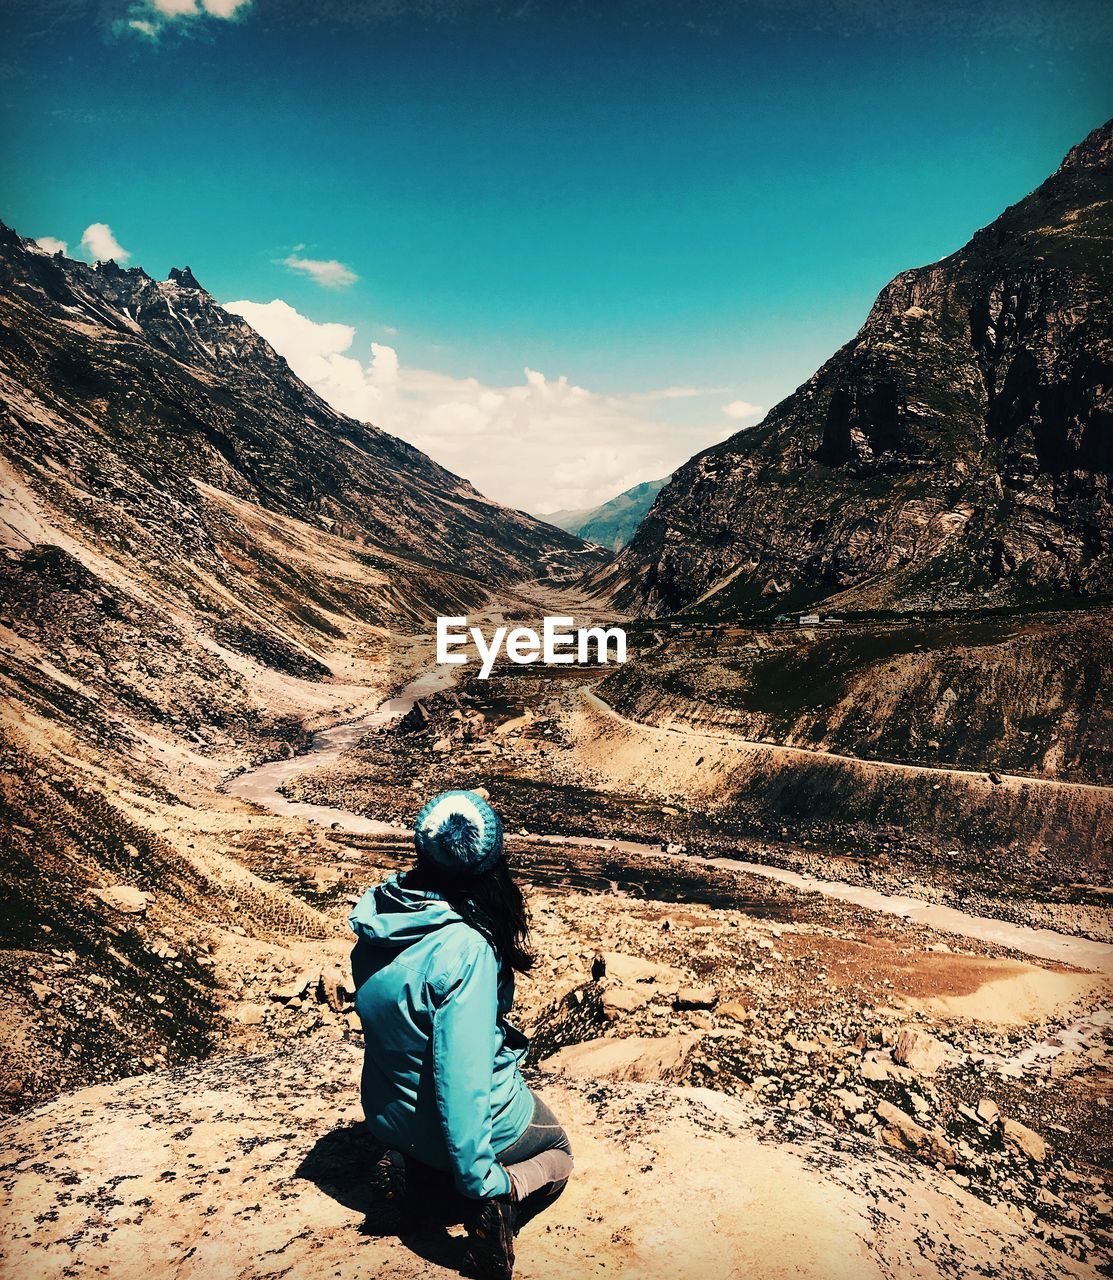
[957, 1054]
[984, 1066]
[238, 1169]
[914, 1095]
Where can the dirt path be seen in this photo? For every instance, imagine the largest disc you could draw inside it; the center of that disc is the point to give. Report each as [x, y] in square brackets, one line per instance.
[263, 785]
[778, 751]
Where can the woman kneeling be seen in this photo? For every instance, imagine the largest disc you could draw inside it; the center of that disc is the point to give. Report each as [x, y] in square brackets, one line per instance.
[434, 969]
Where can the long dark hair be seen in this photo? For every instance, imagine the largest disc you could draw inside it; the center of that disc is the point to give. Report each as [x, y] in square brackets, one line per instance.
[491, 903]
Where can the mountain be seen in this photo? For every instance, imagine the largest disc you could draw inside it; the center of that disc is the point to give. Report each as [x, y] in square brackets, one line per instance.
[612, 524]
[570, 518]
[151, 387]
[955, 452]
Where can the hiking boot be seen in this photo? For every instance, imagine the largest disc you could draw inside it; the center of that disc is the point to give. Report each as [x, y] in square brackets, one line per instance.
[388, 1177]
[490, 1252]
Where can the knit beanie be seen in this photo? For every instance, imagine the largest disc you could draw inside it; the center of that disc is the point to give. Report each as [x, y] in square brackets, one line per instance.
[458, 834]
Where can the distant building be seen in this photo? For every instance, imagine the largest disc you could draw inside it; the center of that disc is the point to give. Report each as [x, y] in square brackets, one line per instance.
[809, 620]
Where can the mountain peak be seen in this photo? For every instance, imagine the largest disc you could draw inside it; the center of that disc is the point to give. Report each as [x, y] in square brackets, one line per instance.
[184, 277]
[109, 268]
[283, 448]
[953, 453]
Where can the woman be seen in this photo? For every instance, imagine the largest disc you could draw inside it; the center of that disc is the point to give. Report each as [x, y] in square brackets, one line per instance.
[434, 973]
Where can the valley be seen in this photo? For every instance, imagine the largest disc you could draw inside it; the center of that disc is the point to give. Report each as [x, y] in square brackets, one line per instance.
[819, 878]
[824, 1025]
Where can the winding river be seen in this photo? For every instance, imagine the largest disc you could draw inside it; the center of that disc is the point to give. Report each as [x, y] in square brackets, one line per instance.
[263, 786]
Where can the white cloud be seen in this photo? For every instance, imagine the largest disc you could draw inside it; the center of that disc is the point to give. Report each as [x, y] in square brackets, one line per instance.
[150, 18]
[327, 272]
[100, 244]
[742, 409]
[175, 8]
[669, 393]
[542, 444]
[224, 8]
[52, 245]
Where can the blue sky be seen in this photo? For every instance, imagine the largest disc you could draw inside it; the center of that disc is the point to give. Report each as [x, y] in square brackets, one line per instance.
[695, 199]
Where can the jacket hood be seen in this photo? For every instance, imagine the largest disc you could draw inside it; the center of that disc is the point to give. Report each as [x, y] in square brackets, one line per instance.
[394, 916]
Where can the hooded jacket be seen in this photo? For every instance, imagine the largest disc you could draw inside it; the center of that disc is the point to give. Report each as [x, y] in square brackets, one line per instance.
[441, 1081]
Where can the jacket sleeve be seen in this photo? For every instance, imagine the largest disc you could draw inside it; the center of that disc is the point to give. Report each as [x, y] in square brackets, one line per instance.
[464, 1040]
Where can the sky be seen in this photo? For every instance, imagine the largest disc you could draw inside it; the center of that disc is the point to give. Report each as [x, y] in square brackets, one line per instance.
[560, 246]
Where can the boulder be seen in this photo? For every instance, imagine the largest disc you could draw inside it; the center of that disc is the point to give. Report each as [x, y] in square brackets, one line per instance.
[696, 998]
[877, 1066]
[850, 1102]
[635, 1058]
[416, 719]
[988, 1113]
[334, 988]
[326, 878]
[1024, 1140]
[616, 998]
[296, 988]
[899, 1130]
[919, 1051]
[631, 970]
[124, 897]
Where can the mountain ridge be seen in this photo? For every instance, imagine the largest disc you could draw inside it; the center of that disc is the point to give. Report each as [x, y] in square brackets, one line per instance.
[241, 419]
[198, 559]
[955, 451]
[612, 523]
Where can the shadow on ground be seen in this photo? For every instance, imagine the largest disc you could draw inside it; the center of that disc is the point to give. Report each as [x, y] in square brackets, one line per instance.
[342, 1163]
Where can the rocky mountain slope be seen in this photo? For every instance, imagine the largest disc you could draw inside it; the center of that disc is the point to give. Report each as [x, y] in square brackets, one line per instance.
[133, 391]
[1017, 694]
[611, 524]
[956, 451]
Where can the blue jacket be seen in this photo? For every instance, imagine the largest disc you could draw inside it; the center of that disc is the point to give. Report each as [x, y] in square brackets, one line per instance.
[440, 1070]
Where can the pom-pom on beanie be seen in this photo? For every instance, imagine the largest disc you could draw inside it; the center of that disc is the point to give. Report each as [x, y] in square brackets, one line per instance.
[459, 834]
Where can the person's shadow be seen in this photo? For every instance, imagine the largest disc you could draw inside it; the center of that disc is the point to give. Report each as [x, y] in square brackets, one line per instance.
[342, 1165]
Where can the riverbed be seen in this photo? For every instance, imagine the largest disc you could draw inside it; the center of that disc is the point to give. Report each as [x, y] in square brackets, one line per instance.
[263, 786]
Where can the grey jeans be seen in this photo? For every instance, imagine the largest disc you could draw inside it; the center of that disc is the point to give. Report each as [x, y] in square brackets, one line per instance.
[539, 1162]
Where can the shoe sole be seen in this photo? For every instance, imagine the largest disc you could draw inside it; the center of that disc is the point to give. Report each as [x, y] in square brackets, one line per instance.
[490, 1253]
[388, 1180]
